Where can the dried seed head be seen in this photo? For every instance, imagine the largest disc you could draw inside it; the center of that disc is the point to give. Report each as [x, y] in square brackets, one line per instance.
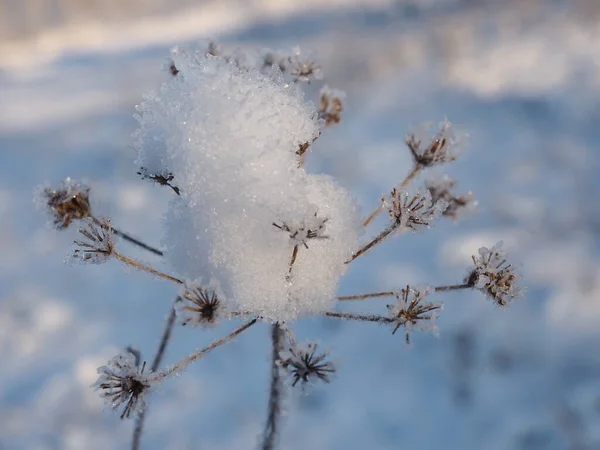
[164, 179]
[441, 189]
[428, 151]
[414, 211]
[122, 382]
[200, 305]
[494, 276]
[303, 363]
[301, 233]
[331, 105]
[67, 203]
[411, 312]
[303, 67]
[99, 243]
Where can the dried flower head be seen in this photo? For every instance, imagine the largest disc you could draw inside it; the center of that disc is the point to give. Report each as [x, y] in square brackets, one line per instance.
[122, 382]
[331, 105]
[99, 243]
[303, 67]
[303, 363]
[414, 211]
[411, 312]
[67, 203]
[300, 234]
[199, 305]
[441, 189]
[428, 151]
[494, 276]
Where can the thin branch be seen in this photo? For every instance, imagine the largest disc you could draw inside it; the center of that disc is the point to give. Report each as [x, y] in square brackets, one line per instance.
[364, 296]
[360, 317]
[405, 183]
[160, 352]
[138, 265]
[455, 287]
[129, 238]
[380, 237]
[276, 390]
[181, 365]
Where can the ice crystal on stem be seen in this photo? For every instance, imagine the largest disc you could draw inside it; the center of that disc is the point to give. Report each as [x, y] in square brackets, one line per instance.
[428, 151]
[494, 276]
[98, 244]
[304, 363]
[67, 203]
[441, 189]
[200, 305]
[414, 211]
[410, 311]
[122, 382]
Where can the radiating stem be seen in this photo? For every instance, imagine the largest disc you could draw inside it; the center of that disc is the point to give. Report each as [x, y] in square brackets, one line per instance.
[405, 183]
[364, 296]
[455, 287]
[275, 392]
[360, 317]
[138, 265]
[129, 238]
[380, 237]
[160, 352]
[181, 365]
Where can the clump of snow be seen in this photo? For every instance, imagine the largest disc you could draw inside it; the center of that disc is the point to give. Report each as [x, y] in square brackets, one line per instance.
[229, 136]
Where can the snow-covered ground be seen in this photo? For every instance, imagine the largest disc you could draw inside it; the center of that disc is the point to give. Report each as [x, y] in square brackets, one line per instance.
[521, 77]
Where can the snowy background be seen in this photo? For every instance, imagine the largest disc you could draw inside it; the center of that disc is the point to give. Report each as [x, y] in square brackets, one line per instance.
[522, 77]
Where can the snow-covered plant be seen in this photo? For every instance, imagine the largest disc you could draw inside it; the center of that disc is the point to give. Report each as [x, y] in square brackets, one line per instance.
[228, 133]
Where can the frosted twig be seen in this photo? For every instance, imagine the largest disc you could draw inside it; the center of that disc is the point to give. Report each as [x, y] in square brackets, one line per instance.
[380, 237]
[360, 317]
[129, 238]
[138, 265]
[276, 390]
[181, 365]
[454, 287]
[139, 424]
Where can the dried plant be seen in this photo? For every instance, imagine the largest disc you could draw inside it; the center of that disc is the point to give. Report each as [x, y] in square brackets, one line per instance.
[284, 236]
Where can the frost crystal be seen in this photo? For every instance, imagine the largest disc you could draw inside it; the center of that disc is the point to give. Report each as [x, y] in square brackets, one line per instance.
[414, 211]
[494, 276]
[229, 138]
[411, 312]
[200, 305]
[121, 382]
[429, 151]
[67, 203]
[303, 363]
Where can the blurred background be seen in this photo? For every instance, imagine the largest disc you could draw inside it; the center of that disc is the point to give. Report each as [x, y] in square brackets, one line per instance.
[521, 77]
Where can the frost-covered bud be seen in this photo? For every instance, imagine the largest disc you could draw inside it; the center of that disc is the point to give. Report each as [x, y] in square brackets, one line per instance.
[303, 66]
[303, 363]
[331, 106]
[122, 382]
[441, 189]
[494, 276]
[411, 312]
[200, 305]
[429, 151]
[67, 203]
[98, 244]
[414, 211]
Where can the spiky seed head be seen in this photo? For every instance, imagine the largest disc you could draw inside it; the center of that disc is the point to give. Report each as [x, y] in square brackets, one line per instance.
[66, 203]
[304, 364]
[411, 311]
[98, 243]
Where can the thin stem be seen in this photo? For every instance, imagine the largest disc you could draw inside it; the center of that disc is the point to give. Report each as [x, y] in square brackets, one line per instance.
[160, 352]
[360, 317]
[144, 267]
[404, 184]
[130, 238]
[181, 365]
[364, 296]
[380, 237]
[276, 390]
[455, 287]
